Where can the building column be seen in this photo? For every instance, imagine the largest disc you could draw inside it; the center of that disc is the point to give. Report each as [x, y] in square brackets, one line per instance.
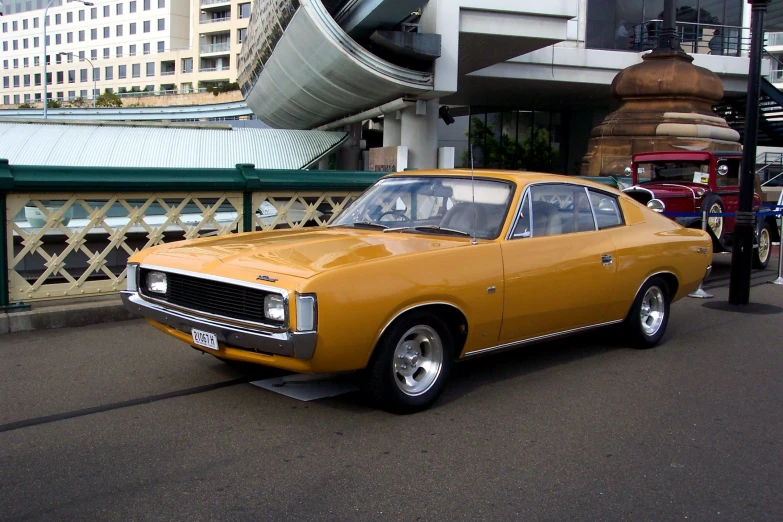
[419, 132]
[349, 156]
[392, 126]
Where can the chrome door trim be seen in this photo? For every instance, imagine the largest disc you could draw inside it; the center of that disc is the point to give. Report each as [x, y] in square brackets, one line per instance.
[540, 338]
[592, 210]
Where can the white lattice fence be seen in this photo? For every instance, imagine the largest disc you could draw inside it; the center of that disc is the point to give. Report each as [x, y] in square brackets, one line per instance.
[71, 245]
[298, 209]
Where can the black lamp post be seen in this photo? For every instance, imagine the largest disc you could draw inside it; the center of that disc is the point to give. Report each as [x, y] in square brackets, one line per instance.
[668, 39]
[745, 228]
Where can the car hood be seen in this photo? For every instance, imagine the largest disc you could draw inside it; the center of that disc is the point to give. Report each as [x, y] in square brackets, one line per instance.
[299, 253]
[677, 189]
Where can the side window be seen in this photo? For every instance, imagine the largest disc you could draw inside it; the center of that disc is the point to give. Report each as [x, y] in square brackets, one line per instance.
[560, 209]
[607, 210]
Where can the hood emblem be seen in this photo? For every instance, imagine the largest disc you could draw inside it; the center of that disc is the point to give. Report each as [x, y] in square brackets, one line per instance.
[266, 278]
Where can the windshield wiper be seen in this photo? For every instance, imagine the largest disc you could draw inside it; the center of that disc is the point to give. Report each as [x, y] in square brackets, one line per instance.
[436, 228]
[369, 224]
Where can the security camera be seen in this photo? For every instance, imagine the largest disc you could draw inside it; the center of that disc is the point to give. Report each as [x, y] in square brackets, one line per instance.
[443, 113]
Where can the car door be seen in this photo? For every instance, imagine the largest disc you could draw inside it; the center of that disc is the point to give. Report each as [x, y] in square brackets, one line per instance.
[559, 269]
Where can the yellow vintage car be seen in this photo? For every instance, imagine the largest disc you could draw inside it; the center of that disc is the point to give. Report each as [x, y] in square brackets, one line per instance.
[424, 269]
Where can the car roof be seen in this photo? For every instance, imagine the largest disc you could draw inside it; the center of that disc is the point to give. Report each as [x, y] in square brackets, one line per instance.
[519, 177]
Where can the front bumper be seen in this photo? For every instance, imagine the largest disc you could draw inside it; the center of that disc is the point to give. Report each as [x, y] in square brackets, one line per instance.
[300, 345]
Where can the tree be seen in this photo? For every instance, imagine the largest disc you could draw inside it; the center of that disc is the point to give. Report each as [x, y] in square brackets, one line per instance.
[25, 106]
[535, 153]
[108, 99]
[79, 102]
[53, 104]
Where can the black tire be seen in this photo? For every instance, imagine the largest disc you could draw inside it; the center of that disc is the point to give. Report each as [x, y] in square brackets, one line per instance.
[637, 325]
[713, 204]
[382, 381]
[762, 254]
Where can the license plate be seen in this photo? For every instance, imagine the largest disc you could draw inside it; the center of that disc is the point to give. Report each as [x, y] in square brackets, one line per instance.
[205, 339]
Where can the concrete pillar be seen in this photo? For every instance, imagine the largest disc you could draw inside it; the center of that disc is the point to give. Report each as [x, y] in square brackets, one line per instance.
[419, 132]
[392, 126]
[323, 163]
[349, 156]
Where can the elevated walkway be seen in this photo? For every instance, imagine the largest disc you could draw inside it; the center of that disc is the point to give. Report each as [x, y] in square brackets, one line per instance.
[770, 132]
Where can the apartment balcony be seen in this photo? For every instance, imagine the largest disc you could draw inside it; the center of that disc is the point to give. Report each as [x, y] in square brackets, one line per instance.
[216, 48]
[214, 69]
[167, 73]
[214, 20]
[214, 3]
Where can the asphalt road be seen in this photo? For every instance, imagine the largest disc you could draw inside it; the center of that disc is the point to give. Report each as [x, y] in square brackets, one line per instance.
[117, 422]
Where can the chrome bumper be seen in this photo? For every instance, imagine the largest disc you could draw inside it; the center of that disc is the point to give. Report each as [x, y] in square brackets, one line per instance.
[300, 345]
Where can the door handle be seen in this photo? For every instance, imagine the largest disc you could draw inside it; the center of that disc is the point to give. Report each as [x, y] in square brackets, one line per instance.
[606, 259]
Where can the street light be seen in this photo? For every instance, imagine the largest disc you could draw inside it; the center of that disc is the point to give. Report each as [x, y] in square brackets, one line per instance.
[45, 101]
[94, 80]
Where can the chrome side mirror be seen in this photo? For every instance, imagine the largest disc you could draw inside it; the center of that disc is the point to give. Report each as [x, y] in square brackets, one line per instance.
[723, 170]
[628, 171]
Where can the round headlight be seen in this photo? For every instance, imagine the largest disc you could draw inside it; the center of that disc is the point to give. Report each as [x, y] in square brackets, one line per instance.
[157, 282]
[274, 307]
[656, 205]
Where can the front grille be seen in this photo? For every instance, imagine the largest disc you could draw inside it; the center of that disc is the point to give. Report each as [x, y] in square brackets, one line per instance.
[213, 297]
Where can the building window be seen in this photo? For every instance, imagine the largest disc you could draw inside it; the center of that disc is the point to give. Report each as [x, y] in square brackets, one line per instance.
[58, 59]
[60, 77]
[146, 48]
[35, 23]
[16, 63]
[24, 24]
[93, 34]
[96, 74]
[69, 17]
[150, 69]
[49, 79]
[132, 28]
[81, 56]
[132, 50]
[93, 13]
[122, 71]
[146, 5]
[106, 11]
[83, 93]
[161, 47]
[58, 39]
[25, 43]
[26, 80]
[136, 70]
[25, 62]
[57, 19]
[241, 35]
[36, 61]
[147, 26]
[118, 9]
[36, 41]
[69, 37]
[14, 25]
[187, 65]
[109, 73]
[81, 36]
[132, 6]
[16, 80]
[83, 75]
[107, 32]
[6, 82]
[244, 10]
[71, 95]
[71, 76]
[119, 30]
[93, 54]
[5, 46]
[5, 27]
[16, 99]
[6, 100]
[5, 64]
[37, 79]
[81, 15]
[105, 53]
[16, 43]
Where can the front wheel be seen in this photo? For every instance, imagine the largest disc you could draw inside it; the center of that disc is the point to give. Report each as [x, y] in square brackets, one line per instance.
[762, 254]
[411, 364]
[646, 322]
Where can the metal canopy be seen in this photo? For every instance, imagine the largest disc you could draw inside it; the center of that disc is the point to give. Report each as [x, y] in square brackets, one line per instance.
[121, 146]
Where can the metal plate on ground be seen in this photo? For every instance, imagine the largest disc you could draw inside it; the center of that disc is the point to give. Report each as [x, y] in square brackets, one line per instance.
[306, 387]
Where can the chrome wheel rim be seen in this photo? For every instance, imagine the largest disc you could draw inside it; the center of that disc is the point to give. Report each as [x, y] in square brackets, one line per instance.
[652, 311]
[715, 223]
[418, 360]
[764, 245]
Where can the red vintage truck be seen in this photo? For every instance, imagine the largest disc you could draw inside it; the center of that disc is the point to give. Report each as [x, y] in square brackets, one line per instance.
[693, 181]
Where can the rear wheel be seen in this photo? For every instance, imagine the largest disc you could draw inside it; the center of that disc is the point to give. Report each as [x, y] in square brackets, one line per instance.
[762, 254]
[411, 364]
[646, 322]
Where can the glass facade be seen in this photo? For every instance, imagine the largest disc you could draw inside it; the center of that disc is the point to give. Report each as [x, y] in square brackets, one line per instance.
[633, 25]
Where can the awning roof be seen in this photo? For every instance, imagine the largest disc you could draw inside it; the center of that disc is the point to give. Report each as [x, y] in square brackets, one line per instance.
[161, 146]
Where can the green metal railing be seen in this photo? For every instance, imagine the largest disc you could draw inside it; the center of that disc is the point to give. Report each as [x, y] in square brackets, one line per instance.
[97, 194]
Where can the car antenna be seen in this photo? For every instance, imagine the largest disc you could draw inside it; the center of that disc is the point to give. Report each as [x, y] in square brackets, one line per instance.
[473, 187]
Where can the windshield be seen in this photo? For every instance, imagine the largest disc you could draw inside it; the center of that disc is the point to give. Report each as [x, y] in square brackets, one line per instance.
[674, 171]
[437, 205]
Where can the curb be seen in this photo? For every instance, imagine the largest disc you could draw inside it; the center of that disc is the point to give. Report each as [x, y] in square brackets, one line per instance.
[68, 315]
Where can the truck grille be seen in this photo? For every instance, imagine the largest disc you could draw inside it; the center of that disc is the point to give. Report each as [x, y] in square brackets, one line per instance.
[213, 297]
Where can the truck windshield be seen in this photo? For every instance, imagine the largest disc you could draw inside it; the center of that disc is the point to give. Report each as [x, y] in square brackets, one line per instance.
[674, 171]
[431, 205]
